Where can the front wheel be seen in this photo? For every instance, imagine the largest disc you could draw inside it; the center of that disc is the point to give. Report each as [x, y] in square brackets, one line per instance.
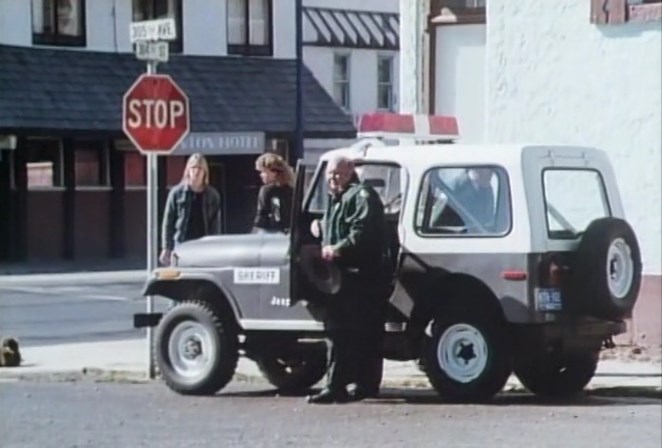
[196, 349]
[467, 358]
[557, 376]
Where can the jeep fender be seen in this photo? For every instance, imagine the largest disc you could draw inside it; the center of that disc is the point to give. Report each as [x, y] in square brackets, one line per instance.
[179, 289]
[456, 291]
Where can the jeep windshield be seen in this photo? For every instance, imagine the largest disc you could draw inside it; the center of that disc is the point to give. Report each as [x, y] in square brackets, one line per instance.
[573, 199]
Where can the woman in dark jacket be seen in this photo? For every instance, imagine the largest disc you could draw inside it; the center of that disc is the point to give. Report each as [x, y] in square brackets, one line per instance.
[192, 209]
[274, 202]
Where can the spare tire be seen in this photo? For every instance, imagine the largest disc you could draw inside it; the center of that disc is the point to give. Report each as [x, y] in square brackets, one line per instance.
[606, 271]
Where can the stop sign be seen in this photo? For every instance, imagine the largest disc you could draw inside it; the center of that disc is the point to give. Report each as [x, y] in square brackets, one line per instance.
[155, 114]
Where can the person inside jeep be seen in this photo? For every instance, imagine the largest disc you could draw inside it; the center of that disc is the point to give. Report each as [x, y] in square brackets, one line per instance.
[473, 189]
[353, 237]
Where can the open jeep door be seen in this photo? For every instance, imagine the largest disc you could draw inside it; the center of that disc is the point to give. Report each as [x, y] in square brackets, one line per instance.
[302, 243]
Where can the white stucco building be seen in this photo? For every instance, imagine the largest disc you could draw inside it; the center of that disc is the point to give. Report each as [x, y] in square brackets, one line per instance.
[566, 71]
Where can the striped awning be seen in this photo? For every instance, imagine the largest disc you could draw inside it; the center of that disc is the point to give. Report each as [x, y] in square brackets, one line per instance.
[326, 27]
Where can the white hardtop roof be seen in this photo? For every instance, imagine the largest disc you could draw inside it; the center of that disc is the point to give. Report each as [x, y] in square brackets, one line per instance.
[453, 153]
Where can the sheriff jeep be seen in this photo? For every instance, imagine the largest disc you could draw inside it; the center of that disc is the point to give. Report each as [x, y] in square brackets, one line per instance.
[534, 277]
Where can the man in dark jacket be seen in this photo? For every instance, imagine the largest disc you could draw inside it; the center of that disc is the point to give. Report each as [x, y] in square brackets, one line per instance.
[353, 238]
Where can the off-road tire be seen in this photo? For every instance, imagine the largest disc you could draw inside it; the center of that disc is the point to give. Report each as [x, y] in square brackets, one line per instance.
[591, 292]
[556, 376]
[482, 326]
[224, 349]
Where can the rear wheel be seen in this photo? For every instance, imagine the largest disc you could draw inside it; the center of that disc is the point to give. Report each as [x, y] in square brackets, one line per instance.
[293, 372]
[196, 349]
[557, 376]
[467, 358]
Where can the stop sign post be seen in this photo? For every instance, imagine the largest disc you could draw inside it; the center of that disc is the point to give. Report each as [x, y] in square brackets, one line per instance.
[155, 117]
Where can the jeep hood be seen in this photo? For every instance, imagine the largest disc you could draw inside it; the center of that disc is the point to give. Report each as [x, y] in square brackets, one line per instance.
[248, 250]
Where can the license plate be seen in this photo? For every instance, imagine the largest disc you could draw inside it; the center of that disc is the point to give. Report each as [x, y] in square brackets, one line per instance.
[548, 299]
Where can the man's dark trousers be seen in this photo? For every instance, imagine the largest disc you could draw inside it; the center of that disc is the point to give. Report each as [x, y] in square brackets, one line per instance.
[355, 328]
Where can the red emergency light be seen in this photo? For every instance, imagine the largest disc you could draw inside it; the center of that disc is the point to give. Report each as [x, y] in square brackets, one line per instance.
[411, 126]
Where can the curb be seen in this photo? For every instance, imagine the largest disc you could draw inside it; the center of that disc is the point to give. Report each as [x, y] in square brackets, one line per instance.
[79, 278]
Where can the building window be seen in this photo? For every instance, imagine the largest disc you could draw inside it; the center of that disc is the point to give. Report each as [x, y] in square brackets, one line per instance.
[174, 169]
[135, 169]
[452, 12]
[44, 164]
[91, 164]
[341, 77]
[622, 11]
[385, 83]
[250, 27]
[58, 22]
[161, 9]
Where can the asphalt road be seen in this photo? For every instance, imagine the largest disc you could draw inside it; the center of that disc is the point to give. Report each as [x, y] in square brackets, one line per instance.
[88, 414]
[56, 314]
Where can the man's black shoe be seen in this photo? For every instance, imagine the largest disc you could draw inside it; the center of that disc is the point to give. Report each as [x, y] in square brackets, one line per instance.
[328, 396]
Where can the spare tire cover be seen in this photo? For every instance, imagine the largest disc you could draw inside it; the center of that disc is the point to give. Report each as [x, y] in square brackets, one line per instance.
[606, 271]
[321, 274]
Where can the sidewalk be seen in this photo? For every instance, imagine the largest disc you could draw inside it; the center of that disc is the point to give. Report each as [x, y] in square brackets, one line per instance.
[63, 273]
[127, 360]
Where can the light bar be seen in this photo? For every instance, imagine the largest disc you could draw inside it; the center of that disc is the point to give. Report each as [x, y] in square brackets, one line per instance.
[418, 127]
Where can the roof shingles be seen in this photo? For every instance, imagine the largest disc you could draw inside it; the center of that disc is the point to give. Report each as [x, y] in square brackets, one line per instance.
[68, 90]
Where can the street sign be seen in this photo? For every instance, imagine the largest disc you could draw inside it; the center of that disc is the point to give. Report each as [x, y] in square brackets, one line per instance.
[152, 30]
[155, 114]
[152, 51]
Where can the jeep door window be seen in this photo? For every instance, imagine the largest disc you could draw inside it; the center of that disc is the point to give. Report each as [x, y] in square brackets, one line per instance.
[573, 199]
[468, 201]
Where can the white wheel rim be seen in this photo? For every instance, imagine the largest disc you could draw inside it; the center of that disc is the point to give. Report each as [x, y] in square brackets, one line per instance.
[191, 349]
[620, 268]
[462, 353]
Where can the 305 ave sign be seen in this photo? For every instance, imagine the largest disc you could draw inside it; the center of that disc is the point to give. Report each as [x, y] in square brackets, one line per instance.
[155, 114]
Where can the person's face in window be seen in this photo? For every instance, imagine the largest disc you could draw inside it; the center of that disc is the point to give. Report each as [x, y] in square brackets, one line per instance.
[483, 176]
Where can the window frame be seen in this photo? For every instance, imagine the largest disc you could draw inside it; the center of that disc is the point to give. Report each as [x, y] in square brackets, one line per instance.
[420, 230]
[177, 45]
[613, 12]
[391, 60]
[443, 14]
[246, 48]
[102, 148]
[346, 82]
[60, 166]
[143, 162]
[603, 190]
[54, 38]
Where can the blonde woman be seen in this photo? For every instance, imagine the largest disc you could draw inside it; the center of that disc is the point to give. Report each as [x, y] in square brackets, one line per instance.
[274, 200]
[192, 209]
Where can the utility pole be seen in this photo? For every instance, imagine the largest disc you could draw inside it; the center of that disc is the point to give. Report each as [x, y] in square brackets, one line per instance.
[298, 144]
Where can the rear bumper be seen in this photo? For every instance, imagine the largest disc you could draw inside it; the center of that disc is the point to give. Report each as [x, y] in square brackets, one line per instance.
[579, 336]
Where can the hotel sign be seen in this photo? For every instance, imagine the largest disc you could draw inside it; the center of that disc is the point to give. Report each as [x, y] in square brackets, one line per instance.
[222, 143]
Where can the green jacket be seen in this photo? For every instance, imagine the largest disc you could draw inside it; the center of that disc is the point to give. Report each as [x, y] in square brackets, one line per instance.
[354, 226]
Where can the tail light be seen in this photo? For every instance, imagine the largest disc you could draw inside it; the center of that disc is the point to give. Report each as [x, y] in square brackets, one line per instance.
[551, 272]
